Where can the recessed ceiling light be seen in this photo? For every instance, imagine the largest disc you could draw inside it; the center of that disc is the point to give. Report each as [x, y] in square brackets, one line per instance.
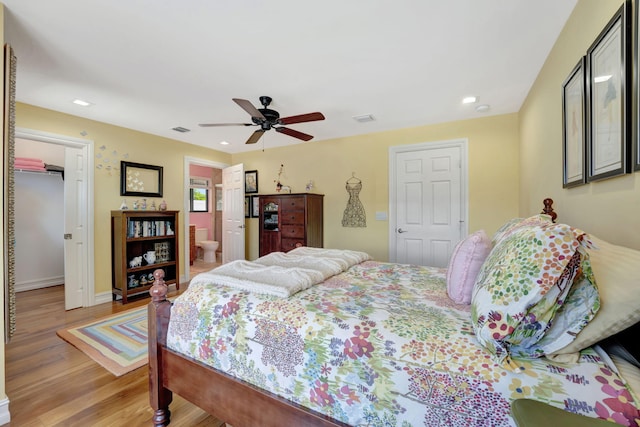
[224, 143]
[469, 100]
[483, 108]
[82, 103]
[364, 118]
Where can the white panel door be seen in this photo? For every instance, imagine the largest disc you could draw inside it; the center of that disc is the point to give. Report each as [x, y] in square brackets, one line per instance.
[75, 227]
[233, 228]
[429, 205]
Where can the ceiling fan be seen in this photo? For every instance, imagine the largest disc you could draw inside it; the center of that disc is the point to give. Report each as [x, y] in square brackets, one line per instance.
[269, 119]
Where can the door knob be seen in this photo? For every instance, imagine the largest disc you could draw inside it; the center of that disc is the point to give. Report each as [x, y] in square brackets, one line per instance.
[400, 230]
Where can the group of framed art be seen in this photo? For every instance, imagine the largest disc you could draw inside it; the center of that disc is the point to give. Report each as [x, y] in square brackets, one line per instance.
[599, 138]
[251, 203]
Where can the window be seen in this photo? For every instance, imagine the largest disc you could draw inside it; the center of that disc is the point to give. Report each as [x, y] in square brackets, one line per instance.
[199, 195]
[199, 200]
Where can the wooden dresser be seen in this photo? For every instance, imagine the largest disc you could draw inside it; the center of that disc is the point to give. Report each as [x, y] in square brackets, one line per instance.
[290, 220]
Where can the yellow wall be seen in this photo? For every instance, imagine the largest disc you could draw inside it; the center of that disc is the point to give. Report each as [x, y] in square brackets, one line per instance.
[493, 177]
[140, 148]
[610, 208]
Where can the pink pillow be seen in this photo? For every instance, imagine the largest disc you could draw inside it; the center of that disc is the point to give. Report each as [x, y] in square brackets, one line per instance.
[464, 265]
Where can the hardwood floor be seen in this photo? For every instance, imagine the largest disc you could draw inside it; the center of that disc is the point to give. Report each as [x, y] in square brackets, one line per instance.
[51, 383]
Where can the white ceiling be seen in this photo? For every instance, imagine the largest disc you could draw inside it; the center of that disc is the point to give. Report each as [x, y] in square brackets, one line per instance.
[151, 65]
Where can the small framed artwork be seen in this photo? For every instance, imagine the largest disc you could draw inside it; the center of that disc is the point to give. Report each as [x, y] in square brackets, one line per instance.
[255, 206]
[574, 127]
[137, 179]
[608, 82]
[247, 206]
[251, 182]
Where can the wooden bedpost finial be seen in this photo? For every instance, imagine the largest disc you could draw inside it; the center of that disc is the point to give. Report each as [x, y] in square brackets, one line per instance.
[548, 209]
[159, 289]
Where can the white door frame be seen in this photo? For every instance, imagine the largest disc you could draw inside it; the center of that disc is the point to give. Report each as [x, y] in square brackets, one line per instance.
[462, 143]
[188, 161]
[85, 201]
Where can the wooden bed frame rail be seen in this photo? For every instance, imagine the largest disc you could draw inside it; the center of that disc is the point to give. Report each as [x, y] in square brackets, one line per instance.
[225, 397]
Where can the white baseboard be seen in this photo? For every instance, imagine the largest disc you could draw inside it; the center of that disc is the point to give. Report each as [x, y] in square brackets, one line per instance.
[105, 297]
[29, 285]
[5, 416]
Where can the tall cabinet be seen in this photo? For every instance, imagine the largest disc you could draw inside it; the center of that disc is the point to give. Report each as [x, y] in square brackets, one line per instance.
[290, 220]
[141, 242]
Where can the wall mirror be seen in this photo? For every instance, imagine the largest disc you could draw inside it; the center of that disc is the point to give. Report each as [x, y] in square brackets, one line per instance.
[137, 179]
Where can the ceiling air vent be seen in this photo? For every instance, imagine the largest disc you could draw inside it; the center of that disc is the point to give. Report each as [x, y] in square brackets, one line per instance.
[181, 129]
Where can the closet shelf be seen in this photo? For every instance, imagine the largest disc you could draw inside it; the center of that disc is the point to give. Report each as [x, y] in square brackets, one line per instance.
[38, 172]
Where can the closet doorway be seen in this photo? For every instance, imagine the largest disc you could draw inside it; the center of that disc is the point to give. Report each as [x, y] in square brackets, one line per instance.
[77, 232]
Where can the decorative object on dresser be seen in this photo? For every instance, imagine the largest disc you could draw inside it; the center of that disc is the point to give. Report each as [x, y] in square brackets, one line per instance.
[290, 220]
[141, 242]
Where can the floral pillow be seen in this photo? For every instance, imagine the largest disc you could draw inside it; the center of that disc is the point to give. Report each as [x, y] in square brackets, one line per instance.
[524, 283]
[513, 224]
[464, 265]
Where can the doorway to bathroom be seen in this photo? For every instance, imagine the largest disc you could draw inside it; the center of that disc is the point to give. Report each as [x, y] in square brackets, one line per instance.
[204, 216]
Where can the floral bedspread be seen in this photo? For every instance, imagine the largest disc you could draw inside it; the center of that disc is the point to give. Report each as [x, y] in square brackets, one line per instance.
[382, 344]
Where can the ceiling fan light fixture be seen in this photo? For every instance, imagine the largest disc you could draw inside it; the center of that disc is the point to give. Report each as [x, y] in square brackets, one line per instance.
[364, 118]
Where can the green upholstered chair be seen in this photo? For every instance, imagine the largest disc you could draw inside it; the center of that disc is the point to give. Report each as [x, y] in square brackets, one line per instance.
[531, 413]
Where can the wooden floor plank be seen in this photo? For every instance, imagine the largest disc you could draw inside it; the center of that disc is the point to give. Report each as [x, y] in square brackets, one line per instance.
[51, 383]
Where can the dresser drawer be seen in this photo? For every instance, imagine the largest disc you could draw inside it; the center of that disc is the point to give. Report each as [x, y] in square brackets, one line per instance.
[291, 218]
[296, 231]
[293, 204]
[288, 244]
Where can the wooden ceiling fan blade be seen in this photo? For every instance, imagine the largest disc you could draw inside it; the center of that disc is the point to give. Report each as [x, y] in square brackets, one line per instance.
[301, 118]
[209, 125]
[255, 137]
[294, 133]
[249, 108]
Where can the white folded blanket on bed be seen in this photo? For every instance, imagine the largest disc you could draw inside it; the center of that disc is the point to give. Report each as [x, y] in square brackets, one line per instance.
[326, 266]
[264, 279]
[282, 274]
[349, 256]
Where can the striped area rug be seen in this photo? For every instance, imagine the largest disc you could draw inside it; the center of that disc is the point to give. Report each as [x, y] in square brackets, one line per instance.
[117, 342]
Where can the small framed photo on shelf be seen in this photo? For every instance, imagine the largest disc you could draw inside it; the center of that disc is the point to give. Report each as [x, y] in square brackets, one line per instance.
[251, 182]
[247, 206]
[255, 206]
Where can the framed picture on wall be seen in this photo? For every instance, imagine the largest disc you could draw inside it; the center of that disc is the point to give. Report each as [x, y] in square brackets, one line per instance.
[255, 206]
[251, 182]
[247, 205]
[574, 127]
[609, 79]
[138, 179]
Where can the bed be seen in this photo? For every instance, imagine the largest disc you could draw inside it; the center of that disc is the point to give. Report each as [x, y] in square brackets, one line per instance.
[333, 338]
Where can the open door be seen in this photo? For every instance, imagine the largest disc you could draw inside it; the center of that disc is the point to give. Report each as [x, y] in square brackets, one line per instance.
[233, 228]
[75, 228]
